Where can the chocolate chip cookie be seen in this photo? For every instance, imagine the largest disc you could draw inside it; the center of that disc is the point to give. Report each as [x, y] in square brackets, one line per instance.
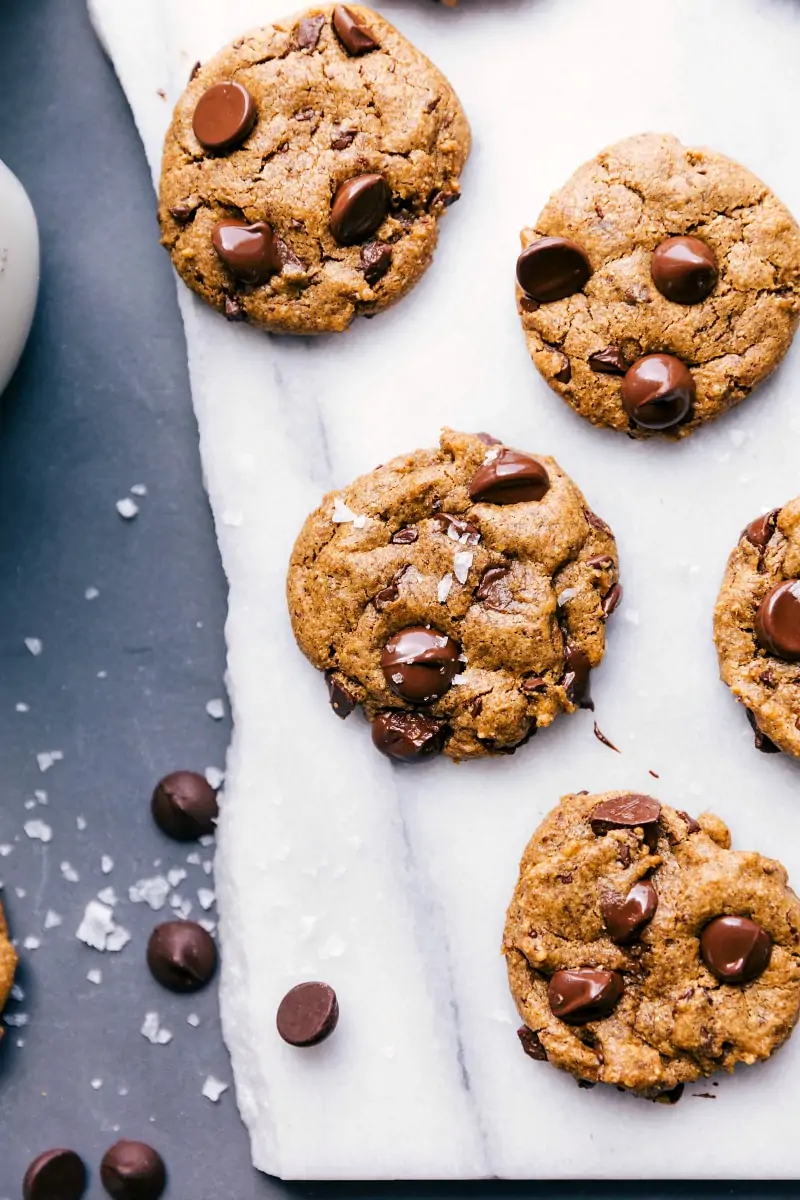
[642, 951]
[306, 169]
[659, 286]
[458, 594]
[757, 627]
[8, 963]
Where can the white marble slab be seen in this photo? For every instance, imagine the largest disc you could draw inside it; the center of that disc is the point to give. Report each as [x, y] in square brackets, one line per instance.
[392, 883]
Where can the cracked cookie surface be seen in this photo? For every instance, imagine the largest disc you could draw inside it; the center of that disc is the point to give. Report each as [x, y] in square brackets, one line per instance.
[620, 208]
[682, 1005]
[755, 620]
[458, 594]
[326, 107]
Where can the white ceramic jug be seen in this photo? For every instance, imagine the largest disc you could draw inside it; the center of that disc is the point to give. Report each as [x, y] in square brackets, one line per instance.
[19, 270]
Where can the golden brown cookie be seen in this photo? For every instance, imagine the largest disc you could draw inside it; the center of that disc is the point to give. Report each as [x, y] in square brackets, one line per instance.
[642, 951]
[458, 594]
[757, 627]
[8, 963]
[659, 286]
[306, 169]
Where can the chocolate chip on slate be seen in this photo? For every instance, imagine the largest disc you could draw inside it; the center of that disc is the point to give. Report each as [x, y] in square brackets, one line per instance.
[584, 994]
[184, 806]
[343, 139]
[612, 599]
[628, 811]
[308, 1014]
[761, 741]
[735, 949]
[530, 1044]
[552, 268]
[625, 919]
[181, 956]
[684, 269]
[405, 536]
[509, 478]
[457, 529]
[224, 116]
[376, 258]
[420, 664]
[576, 677]
[248, 251]
[234, 310]
[55, 1175]
[342, 702]
[133, 1171]
[353, 36]
[608, 361]
[407, 736]
[759, 532]
[658, 391]
[359, 208]
[308, 32]
[777, 624]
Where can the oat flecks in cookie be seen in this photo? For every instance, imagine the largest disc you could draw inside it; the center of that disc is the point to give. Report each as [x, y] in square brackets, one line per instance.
[306, 168]
[466, 609]
[649, 955]
[757, 627]
[692, 258]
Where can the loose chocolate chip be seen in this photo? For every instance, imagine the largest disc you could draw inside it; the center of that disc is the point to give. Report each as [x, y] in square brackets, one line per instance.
[376, 258]
[407, 736]
[308, 1014]
[612, 599]
[601, 737]
[343, 139]
[359, 208]
[181, 212]
[354, 37]
[55, 1175]
[420, 664]
[629, 811]
[625, 919]
[234, 310]
[583, 995]
[248, 251]
[491, 589]
[224, 116]
[735, 949]
[181, 956]
[457, 529]
[510, 478]
[658, 391]
[761, 741]
[692, 826]
[531, 1044]
[488, 439]
[564, 372]
[777, 624]
[759, 532]
[184, 806]
[576, 677]
[133, 1171]
[608, 361]
[341, 700]
[308, 32]
[552, 268]
[405, 536]
[684, 269]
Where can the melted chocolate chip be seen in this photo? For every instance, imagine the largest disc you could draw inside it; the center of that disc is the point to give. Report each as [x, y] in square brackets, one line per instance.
[564, 372]
[488, 439]
[608, 361]
[595, 521]
[405, 536]
[248, 251]
[583, 995]
[308, 1014]
[625, 919]
[181, 956]
[386, 596]
[341, 700]
[761, 741]
[353, 36]
[576, 677]
[684, 269]
[692, 826]
[777, 624]
[552, 268]
[530, 1044]
[533, 684]
[509, 478]
[628, 811]
[735, 949]
[343, 139]
[612, 599]
[224, 116]
[759, 532]
[419, 664]
[55, 1175]
[181, 212]
[359, 208]
[407, 736]
[492, 590]
[308, 32]
[457, 529]
[658, 391]
[133, 1171]
[376, 258]
[184, 806]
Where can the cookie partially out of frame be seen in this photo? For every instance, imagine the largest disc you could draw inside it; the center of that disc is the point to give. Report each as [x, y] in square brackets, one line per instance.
[306, 169]
[659, 286]
[642, 951]
[8, 963]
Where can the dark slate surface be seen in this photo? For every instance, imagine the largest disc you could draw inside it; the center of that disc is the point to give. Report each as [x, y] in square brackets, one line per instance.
[100, 402]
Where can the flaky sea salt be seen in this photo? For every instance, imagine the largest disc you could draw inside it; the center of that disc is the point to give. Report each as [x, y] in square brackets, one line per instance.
[462, 561]
[443, 590]
[69, 873]
[96, 1084]
[152, 891]
[32, 943]
[193, 859]
[108, 896]
[175, 876]
[16, 1020]
[21, 707]
[48, 758]
[215, 709]
[106, 864]
[91, 593]
[193, 1020]
[153, 1030]
[81, 823]
[139, 489]
[99, 930]
[52, 919]
[5, 850]
[34, 645]
[38, 831]
[567, 595]
[127, 508]
[342, 515]
[95, 976]
[207, 898]
[40, 796]
[213, 1088]
[214, 776]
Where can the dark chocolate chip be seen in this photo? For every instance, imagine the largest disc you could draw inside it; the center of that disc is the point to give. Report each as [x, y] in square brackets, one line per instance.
[777, 624]
[353, 36]
[533, 684]
[692, 826]
[761, 741]
[684, 269]
[181, 956]
[600, 562]
[359, 208]
[376, 258]
[488, 439]
[457, 529]
[608, 361]
[224, 116]
[184, 806]
[564, 372]
[308, 32]
[133, 1171]
[234, 310]
[492, 591]
[55, 1175]
[194, 71]
[628, 811]
[576, 677]
[595, 521]
[407, 736]
[625, 919]
[308, 1014]
[181, 212]
[672, 1096]
[419, 664]
[735, 949]
[612, 599]
[341, 700]
[445, 197]
[249, 251]
[552, 268]
[759, 532]
[509, 478]
[405, 536]
[583, 995]
[601, 737]
[530, 1044]
[658, 391]
[386, 595]
[343, 139]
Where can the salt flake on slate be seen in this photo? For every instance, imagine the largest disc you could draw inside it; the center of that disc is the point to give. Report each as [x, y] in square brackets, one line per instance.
[208, 866]
[38, 831]
[443, 590]
[98, 930]
[40, 796]
[5, 850]
[152, 891]
[20, 893]
[154, 1031]
[117, 939]
[96, 1084]
[106, 864]
[213, 1088]
[127, 508]
[95, 976]
[108, 896]
[34, 645]
[193, 859]
[207, 898]
[207, 839]
[215, 709]
[69, 873]
[175, 876]
[209, 926]
[81, 823]
[91, 593]
[16, 1020]
[193, 1020]
[48, 758]
[462, 561]
[21, 707]
[17, 993]
[32, 943]
[139, 489]
[52, 919]
[214, 776]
